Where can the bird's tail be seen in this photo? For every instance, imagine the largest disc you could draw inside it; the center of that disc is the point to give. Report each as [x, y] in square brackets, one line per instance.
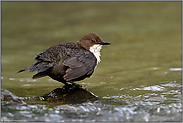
[39, 67]
[27, 68]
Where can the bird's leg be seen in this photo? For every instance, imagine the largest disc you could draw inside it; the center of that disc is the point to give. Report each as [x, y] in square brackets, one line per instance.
[76, 84]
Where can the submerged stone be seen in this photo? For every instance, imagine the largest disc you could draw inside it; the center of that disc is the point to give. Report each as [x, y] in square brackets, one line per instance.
[70, 94]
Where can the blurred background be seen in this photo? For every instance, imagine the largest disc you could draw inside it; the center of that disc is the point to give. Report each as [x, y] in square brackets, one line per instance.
[145, 48]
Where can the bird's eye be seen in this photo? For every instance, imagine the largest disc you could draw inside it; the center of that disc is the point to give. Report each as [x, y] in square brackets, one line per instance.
[93, 40]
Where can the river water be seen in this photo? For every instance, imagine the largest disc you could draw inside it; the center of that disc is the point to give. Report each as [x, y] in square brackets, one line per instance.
[162, 106]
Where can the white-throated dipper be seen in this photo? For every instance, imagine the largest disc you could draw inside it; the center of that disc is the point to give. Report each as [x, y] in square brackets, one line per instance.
[69, 62]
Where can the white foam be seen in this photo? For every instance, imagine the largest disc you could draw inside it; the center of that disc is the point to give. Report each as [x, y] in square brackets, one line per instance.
[175, 69]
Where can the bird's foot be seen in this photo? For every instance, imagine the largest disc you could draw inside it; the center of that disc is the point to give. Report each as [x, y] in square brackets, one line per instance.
[67, 86]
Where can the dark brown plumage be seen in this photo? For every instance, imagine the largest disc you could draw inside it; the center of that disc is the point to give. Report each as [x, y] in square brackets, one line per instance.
[68, 62]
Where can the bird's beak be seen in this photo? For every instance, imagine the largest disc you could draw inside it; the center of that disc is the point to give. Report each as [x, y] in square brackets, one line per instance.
[104, 43]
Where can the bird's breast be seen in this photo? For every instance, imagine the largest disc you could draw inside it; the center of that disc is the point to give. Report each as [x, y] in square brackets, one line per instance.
[95, 49]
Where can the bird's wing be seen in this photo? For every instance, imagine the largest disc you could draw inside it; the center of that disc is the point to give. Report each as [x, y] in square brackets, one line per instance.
[79, 66]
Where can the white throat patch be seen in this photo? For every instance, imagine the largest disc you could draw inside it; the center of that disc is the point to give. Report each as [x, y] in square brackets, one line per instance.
[95, 49]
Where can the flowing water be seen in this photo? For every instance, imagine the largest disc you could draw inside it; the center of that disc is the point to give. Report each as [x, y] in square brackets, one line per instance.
[138, 79]
[162, 106]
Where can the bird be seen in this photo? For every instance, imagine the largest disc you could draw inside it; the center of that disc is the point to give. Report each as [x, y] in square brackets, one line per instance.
[69, 62]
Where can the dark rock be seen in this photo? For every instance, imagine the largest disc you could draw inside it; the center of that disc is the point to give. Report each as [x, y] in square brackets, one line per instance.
[70, 94]
[8, 98]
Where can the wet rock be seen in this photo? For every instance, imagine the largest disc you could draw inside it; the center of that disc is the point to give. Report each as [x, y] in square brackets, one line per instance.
[70, 94]
[8, 98]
